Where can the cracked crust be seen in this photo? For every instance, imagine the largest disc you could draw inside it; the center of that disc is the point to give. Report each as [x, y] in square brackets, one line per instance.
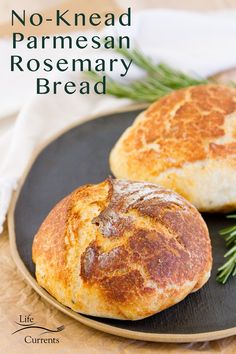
[122, 249]
[185, 141]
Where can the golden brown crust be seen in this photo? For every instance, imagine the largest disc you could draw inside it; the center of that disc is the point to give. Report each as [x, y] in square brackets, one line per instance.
[195, 115]
[54, 225]
[187, 127]
[122, 249]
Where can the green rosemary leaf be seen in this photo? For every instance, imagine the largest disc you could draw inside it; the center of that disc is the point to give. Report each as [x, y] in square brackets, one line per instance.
[232, 251]
[229, 267]
[159, 80]
[227, 230]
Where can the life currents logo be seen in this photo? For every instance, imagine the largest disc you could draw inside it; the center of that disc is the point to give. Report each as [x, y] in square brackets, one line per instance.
[35, 333]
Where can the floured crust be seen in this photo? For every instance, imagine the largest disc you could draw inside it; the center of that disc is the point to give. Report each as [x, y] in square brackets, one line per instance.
[181, 142]
[122, 249]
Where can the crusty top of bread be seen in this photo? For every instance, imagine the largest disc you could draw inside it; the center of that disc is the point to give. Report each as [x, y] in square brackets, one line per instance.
[196, 116]
[188, 126]
[122, 249]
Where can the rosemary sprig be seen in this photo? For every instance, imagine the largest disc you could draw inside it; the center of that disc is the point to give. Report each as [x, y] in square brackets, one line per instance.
[229, 267]
[160, 79]
[147, 90]
[166, 75]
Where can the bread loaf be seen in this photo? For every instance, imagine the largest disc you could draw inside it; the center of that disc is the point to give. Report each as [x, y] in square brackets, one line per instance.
[185, 141]
[122, 249]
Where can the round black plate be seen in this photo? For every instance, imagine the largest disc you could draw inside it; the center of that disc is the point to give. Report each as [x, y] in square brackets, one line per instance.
[80, 156]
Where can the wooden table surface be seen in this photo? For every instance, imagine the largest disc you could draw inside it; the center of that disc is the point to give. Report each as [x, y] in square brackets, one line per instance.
[16, 297]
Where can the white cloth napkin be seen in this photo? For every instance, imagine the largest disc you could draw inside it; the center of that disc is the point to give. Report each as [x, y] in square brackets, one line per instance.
[200, 43]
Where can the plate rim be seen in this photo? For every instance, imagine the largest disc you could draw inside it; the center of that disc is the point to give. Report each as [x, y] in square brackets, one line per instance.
[152, 337]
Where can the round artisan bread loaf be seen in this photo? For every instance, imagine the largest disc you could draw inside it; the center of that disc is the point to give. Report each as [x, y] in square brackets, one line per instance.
[185, 141]
[122, 249]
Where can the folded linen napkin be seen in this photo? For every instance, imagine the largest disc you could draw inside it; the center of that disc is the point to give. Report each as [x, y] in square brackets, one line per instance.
[193, 42]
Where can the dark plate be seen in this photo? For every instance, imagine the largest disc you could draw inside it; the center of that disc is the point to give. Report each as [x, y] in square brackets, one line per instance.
[80, 156]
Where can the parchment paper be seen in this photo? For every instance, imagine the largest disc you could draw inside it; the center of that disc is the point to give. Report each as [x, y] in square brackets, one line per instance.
[17, 298]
